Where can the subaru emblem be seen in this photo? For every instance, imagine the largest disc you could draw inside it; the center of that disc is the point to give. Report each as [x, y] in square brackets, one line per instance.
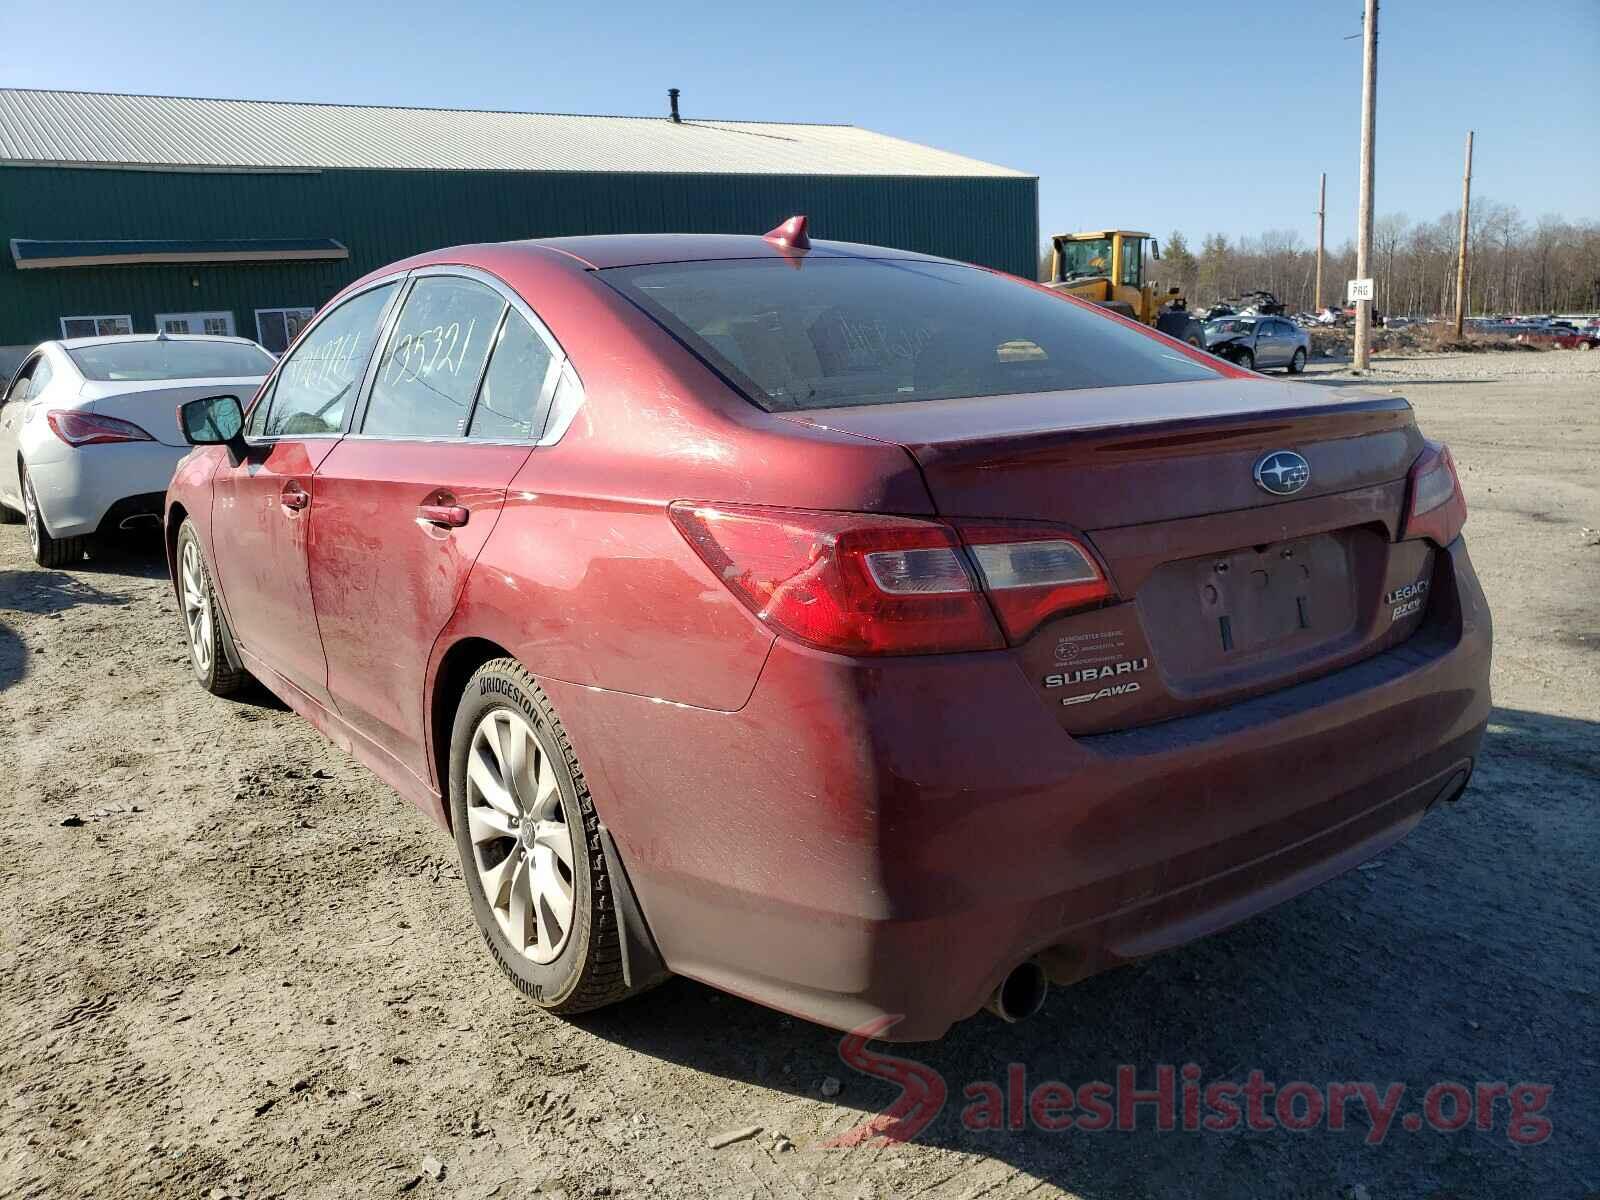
[1282, 472]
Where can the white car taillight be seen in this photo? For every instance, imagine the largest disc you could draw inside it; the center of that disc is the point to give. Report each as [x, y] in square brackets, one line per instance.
[77, 428]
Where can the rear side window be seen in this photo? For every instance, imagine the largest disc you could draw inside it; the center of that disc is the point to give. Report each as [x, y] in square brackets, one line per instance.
[825, 332]
[315, 383]
[509, 403]
[431, 367]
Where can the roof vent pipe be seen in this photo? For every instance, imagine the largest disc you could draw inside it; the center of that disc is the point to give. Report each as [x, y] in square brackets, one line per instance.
[672, 99]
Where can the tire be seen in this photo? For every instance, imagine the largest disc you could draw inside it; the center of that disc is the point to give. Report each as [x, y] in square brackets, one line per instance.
[1245, 359]
[1298, 362]
[47, 551]
[10, 516]
[510, 842]
[203, 621]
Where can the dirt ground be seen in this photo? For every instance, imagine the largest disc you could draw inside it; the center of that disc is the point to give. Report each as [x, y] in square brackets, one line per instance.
[234, 963]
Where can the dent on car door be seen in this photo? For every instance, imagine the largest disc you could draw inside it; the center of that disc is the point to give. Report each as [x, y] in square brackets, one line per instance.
[407, 501]
[263, 506]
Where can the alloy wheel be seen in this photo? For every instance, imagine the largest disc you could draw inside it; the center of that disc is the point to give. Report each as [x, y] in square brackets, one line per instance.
[196, 606]
[30, 508]
[521, 842]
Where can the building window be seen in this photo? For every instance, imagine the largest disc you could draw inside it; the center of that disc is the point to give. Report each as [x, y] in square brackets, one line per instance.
[75, 327]
[277, 327]
[219, 324]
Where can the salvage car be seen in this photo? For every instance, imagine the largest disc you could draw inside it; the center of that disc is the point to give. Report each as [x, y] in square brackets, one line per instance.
[870, 635]
[1560, 337]
[1256, 343]
[89, 432]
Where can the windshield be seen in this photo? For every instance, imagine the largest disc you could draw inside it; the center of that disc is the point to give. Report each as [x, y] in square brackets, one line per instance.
[1085, 260]
[824, 332]
[176, 358]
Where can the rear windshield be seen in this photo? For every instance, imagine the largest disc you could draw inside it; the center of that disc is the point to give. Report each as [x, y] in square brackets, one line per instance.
[175, 359]
[833, 332]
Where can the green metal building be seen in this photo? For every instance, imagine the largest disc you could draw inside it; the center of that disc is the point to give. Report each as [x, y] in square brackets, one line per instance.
[145, 212]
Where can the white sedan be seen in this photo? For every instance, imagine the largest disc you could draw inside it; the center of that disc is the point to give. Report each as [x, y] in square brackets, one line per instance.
[89, 430]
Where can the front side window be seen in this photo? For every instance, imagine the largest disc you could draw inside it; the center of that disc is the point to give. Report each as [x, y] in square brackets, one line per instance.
[160, 359]
[508, 405]
[841, 331]
[22, 386]
[430, 370]
[315, 384]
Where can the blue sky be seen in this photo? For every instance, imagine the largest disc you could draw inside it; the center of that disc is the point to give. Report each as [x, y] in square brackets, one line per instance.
[1205, 115]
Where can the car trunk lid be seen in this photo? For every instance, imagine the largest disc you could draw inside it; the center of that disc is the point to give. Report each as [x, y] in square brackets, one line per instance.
[1226, 589]
[153, 405]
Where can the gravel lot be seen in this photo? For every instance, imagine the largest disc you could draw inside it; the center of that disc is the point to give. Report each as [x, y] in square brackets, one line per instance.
[248, 968]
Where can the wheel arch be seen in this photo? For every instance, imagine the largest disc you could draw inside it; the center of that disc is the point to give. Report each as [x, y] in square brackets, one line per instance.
[455, 667]
[642, 964]
[177, 514]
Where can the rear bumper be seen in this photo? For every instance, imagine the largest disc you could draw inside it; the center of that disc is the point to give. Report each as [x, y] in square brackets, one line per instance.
[889, 838]
[80, 487]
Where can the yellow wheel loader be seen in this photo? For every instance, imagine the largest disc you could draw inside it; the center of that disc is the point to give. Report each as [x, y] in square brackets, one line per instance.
[1107, 267]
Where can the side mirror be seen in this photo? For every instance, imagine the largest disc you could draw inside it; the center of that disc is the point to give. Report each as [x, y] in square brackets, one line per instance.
[214, 421]
[1155, 249]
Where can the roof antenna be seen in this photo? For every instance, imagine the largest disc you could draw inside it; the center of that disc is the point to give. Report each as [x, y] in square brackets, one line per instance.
[672, 99]
[791, 235]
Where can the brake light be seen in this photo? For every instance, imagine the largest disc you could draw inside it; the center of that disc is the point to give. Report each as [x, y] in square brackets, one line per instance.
[77, 428]
[1032, 572]
[855, 583]
[1436, 507]
[860, 583]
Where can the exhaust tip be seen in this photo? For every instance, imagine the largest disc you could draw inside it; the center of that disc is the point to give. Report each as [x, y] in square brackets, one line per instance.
[138, 519]
[1021, 993]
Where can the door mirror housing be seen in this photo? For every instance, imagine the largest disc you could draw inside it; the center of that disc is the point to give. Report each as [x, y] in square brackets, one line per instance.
[214, 421]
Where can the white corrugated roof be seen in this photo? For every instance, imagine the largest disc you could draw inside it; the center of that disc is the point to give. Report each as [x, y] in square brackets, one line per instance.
[103, 129]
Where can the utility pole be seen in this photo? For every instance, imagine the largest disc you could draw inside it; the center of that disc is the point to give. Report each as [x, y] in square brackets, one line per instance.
[1322, 216]
[1461, 248]
[1369, 104]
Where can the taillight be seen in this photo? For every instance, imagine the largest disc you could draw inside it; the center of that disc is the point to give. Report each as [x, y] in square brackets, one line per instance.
[92, 429]
[859, 583]
[1436, 508]
[855, 583]
[1032, 572]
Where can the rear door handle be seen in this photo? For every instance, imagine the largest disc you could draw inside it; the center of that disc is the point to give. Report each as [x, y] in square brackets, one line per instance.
[450, 516]
[294, 497]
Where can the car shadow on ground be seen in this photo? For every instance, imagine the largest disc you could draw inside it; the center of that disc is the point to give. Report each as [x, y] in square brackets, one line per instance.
[136, 555]
[1465, 953]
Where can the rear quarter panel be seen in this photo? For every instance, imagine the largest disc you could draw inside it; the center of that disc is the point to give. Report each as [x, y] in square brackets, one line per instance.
[585, 578]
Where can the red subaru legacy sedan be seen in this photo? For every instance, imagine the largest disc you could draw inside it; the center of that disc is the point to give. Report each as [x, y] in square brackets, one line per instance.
[867, 634]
